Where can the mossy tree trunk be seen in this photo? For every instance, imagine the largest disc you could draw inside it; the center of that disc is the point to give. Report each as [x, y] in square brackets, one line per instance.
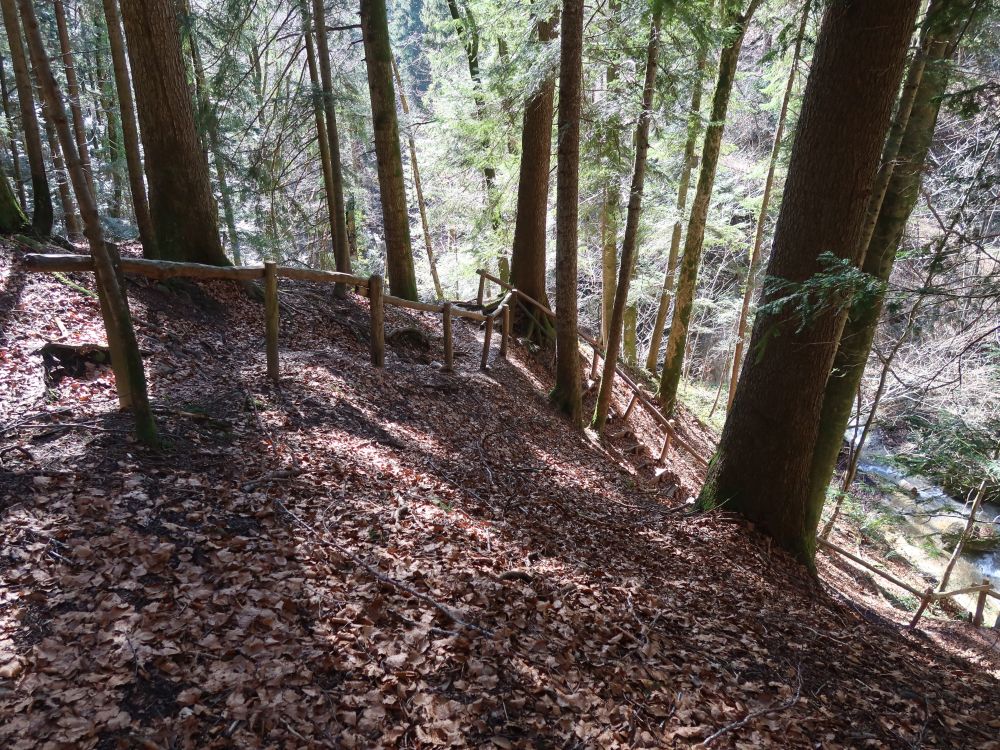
[763, 466]
[687, 280]
[396, 221]
[182, 209]
[126, 361]
[15, 157]
[945, 21]
[567, 392]
[41, 211]
[12, 218]
[631, 228]
[527, 267]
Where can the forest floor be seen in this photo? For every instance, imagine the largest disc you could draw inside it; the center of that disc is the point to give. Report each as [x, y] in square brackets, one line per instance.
[404, 558]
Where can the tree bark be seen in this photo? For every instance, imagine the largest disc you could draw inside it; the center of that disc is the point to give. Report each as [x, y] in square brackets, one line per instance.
[763, 465]
[41, 212]
[73, 94]
[126, 361]
[338, 221]
[63, 187]
[182, 209]
[688, 278]
[929, 76]
[378, 59]
[14, 156]
[567, 391]
[758, 238]
[667, 290]
[12, 218]
[527, 266]
[631, 228]
[130, 131]
[418, 189]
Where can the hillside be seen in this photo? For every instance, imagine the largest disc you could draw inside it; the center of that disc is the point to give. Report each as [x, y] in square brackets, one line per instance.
[402, 558]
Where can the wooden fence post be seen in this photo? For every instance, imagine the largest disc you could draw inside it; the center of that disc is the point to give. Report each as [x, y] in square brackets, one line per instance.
[505, 331]
[449, 351]
[487, 335]
[631, 406]
[926, 599]
[377, 303]
[271, 318]
[482, 290]
[977, 618]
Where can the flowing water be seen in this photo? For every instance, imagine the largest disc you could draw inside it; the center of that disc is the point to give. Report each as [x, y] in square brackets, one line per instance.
[925, 511]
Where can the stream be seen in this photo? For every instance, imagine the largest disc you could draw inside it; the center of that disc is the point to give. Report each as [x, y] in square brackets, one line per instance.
[925, 511]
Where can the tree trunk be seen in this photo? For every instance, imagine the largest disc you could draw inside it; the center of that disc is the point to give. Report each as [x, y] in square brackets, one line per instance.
[666, 292]
[73, 94]
[758, 238]
[115, 149]
[321, 137]
[70, 217]
[378, 59]
[631, 228]
[183, 211]
[567, 392]
[130, 379]
[945, 21]
[688, 278]
[12, 218]
[763, 465]
[130, 132]
[41, 213]
[609, 254]
[14, 156]
[338, 221]
[418, 189]
[209, 119]
[527, 266]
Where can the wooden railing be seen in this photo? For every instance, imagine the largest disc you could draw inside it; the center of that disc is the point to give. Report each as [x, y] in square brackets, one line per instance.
[670, 435]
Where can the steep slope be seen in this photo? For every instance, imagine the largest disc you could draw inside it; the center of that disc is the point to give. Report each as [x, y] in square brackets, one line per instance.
[405, 557]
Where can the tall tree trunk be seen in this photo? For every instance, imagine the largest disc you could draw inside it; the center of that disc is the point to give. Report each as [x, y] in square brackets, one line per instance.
[341, 249]
[418, 189]
[73, 93]
[758, 238]
[63, 187]
[527, 266]
[667, 290]
[115, 150]
[610, 200]
[210, 121]
[763, 465]
[567, 391]
[126, 361]
[322, 140]
[130, 132]
[688, 278]
[15, 158]
[631, 227]
[41, 212]
[927, 82]
[378, 59]
[12, 218]
[183, 211]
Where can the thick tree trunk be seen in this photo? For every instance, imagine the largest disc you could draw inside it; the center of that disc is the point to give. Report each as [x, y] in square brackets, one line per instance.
[418, 188]
[929, 76]
[183, 211]
[667, 290]
[338, 221]
[12, 218]
[321, 137]
[378, 59]
[527, 266]
[41, 212]
[130, 132]
[130, 379]
[758, 238]
[631, 229]
[687, 280]
[73, 94]
[763, 465]
[567, 391]
[15, 158]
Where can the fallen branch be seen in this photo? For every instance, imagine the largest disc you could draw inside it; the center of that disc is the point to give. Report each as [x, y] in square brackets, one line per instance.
[758, 713]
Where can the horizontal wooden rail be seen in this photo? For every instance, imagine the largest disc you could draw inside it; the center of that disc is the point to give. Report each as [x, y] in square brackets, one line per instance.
[646, 403]
[868, 566]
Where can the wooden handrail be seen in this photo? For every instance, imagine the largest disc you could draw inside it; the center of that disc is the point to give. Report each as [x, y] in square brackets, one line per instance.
[868, 566]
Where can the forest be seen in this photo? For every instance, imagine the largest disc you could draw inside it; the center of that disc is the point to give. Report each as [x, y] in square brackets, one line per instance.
[549, 373]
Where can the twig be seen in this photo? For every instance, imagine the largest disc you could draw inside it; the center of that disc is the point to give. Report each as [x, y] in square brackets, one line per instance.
[759, 712]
